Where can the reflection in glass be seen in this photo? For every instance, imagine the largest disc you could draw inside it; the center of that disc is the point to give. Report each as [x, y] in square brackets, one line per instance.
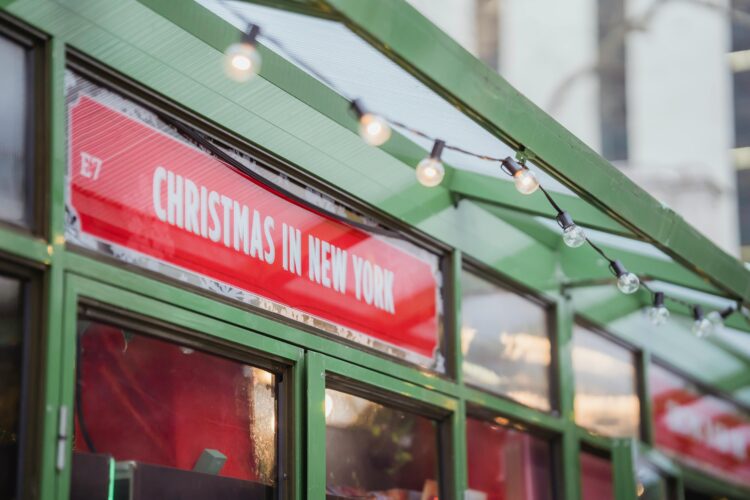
[505, 342]
[11, 351]
[606, 398]
[596, 477]
[704, 430]
[13, 133]
[505, 464]
[650, 485]
[373, 451]
[159, 408]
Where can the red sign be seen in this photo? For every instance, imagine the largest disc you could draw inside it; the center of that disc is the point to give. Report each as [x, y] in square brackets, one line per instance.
[703, 430]
[137, 187]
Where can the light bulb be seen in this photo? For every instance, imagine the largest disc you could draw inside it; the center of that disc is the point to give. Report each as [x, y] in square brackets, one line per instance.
[573, 235]
[716, 320]
[526, 181]
[658, 315]
[701, 325]
[373, 129]
[242, 60]
[702, 328]
[430, 171]
[627, 282]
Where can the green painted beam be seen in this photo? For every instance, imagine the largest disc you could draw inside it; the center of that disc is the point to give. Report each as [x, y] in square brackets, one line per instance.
[404, 35]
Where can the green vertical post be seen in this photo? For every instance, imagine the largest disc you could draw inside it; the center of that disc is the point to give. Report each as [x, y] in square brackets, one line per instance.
[624, 469]
[53, 281]
[457, 457]
[562, 373]
[453, 315]
[316, 426]
[647, 422]
[296, 461]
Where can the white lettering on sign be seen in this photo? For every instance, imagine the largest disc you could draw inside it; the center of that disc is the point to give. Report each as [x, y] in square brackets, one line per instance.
[91, 166]
[373, 284]
[716, 435]
[221, 219]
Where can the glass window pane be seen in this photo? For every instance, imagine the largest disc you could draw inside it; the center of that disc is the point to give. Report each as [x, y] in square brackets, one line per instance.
[701, 429]
[505, 464]
[650, 485]
[171, 417]
[373, 451]
[596, 478]
[606, 398]
[11, 354]
[505, 342]
[13, 133]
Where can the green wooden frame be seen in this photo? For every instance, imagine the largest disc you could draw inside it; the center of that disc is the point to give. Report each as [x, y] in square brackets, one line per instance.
[173, 49]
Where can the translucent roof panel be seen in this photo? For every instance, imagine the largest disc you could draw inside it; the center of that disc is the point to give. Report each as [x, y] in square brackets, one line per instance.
[358, 70]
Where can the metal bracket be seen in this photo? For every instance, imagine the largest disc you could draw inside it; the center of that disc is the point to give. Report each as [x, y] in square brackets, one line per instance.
[62, 437]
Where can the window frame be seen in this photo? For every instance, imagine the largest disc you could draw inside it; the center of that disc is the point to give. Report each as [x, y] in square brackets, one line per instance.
[552, 325]
[31, 404]
[110, 79]
[89, 299]
[343, 376]
[639, 363]
[38, 85]
[553, 437]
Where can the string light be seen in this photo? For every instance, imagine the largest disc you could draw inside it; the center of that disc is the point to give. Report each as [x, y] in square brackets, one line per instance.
[701, 325]
[430, 171]
[573, 234]
[242, 60]
[627, 282]
[373, 129]
[658, 313]
[524, 179]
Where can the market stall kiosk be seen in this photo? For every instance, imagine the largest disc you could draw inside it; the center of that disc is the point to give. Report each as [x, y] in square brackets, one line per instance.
[213, 289]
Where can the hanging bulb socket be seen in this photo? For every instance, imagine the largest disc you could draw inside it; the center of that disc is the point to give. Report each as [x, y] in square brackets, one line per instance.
[430, 171]
[627, 282]
[658, 313]
[573, 234]
[250, 36]
[524, 179]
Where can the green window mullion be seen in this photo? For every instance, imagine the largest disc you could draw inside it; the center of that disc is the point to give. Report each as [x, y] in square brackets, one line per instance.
[623, 469]
[315, 384]
[55, 375]
[647, 422]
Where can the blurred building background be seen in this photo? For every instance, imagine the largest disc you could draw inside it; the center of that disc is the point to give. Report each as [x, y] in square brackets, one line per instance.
[659, 87]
